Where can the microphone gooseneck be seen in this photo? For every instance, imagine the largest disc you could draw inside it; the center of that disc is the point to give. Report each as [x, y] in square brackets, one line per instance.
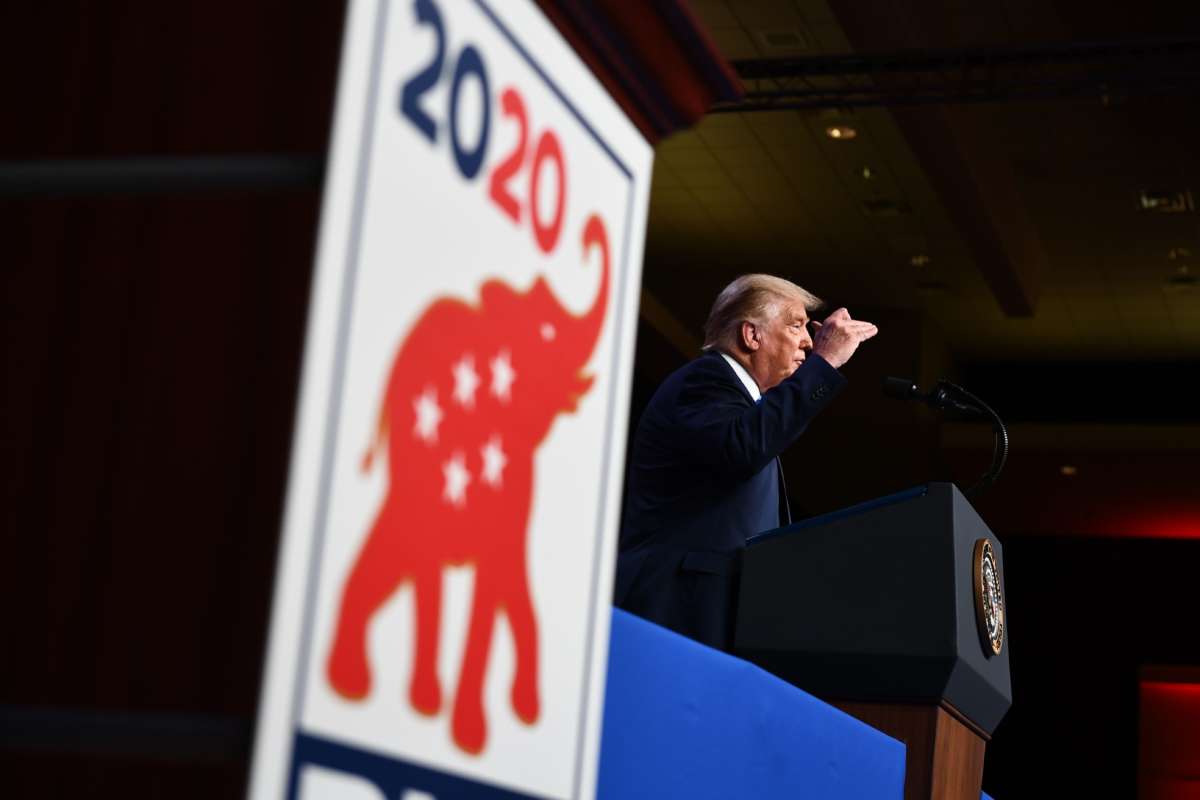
[947, 396]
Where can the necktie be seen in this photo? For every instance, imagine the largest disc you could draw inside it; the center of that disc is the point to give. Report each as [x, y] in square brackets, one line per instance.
[785, 508]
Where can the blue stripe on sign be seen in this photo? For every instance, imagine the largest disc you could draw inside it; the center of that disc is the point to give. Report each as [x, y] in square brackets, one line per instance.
[391, 776]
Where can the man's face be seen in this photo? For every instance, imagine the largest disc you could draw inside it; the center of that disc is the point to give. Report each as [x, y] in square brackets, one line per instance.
[783, 345]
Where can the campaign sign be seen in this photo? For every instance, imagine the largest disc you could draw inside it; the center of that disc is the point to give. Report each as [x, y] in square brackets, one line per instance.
[440, 620]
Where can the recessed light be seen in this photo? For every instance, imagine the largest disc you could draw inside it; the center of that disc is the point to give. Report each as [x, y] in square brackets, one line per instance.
[919, 260]
[866, 173]
[841, 132]
[1068, 470]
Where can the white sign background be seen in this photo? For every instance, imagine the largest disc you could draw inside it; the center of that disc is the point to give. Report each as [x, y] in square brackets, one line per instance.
[401, 227]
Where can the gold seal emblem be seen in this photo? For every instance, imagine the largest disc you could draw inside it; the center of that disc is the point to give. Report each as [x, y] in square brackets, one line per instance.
[989, 598]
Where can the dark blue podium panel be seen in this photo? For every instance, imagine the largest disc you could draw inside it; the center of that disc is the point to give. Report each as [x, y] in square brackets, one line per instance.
[684, 720]
[877, 603]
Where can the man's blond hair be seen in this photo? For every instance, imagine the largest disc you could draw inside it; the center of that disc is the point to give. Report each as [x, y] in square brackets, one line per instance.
[756, 298]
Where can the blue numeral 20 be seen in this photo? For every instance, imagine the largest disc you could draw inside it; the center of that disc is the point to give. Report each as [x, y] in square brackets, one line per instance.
[469, 63]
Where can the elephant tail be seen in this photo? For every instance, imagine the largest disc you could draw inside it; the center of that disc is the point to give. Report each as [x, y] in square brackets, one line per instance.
[377, 440]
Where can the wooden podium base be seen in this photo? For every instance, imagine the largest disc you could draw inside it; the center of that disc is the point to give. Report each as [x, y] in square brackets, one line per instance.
[945, 751]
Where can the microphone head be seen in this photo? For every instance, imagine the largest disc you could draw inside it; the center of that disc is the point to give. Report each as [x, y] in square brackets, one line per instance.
[901, 389]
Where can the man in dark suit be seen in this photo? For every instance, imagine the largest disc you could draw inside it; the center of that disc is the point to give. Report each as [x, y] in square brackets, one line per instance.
[704, 470]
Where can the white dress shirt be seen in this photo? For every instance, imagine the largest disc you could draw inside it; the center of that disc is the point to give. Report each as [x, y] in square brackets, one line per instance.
[747, 381]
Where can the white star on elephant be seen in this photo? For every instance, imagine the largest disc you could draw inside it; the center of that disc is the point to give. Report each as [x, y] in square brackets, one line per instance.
[502, 376]
[429, 415]
[465, 381]
[494, 461]
[548, 332]
[457, 478]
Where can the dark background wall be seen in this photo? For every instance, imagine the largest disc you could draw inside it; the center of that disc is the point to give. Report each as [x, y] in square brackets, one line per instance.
[1084, 616]
[152, 346]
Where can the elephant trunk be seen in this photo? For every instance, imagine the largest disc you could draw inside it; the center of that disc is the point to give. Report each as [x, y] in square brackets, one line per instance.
[590, 324]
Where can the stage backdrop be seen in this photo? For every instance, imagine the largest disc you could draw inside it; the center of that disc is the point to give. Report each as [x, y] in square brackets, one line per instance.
[441, 609]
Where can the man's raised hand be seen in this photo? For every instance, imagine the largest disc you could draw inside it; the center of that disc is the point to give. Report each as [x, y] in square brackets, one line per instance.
[839, 336]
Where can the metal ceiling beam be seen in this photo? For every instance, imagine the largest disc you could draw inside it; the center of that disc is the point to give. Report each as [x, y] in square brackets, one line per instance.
[924, 77]
[1135, 53]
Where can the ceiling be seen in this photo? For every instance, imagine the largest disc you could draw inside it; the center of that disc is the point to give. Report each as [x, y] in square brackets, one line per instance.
[1051, 190]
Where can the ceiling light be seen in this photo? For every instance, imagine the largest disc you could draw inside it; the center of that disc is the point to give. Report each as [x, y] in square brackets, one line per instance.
[1068, 470]
[841, 132]
[1165, 202]
[919, 260]
[867, 173]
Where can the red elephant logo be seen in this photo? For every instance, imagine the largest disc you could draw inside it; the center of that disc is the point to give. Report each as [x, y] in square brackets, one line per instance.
[472, 393]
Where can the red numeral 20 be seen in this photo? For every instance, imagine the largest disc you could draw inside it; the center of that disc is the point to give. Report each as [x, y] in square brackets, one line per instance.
[547, 150]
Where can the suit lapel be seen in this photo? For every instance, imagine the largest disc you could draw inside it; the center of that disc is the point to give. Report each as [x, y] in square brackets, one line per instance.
[731, 375]
[785, 508]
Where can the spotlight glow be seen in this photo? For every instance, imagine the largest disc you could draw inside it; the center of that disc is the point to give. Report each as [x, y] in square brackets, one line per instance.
[840, 132]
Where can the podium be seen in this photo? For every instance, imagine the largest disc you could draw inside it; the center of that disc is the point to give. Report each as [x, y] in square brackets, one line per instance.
[893, 611]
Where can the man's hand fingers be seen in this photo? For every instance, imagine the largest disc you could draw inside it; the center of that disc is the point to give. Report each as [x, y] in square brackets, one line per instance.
[864, 330]
[839, 336]
[855, 327]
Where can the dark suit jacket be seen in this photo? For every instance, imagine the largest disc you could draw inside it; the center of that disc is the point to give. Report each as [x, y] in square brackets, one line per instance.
[703, 477]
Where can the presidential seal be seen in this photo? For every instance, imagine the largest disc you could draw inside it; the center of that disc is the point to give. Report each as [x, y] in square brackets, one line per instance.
[989, 598]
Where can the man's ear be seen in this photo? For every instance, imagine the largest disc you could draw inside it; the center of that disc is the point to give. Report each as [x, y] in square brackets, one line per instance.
[749, 336]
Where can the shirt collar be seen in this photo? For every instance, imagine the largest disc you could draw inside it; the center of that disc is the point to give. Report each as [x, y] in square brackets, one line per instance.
[744, 377]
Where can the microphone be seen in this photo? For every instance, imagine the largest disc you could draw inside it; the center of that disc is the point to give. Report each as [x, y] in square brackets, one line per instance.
[940, 399]
[945, 397]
